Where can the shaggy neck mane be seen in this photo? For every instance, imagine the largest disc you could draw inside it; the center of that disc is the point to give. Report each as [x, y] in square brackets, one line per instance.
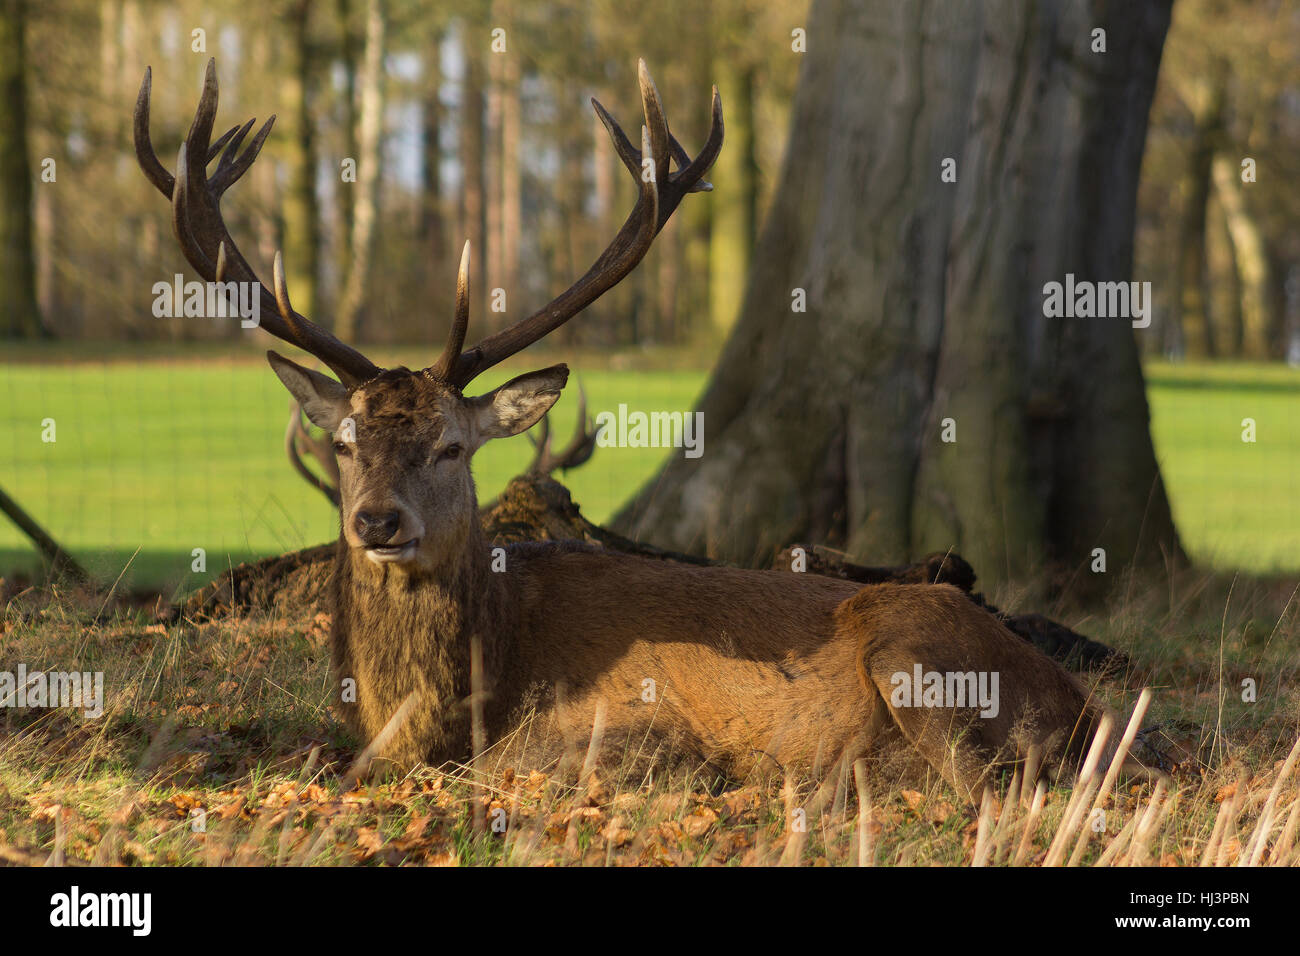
[396, 632]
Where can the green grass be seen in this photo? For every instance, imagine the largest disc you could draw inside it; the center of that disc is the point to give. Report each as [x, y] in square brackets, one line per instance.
[170, 455]
[181, 450]
[1233, 501]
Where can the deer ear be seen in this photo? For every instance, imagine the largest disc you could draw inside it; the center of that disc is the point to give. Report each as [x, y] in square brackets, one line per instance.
[324, 400]
[517, 405]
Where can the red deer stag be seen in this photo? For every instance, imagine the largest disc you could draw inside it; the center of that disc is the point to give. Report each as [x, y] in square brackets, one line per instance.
[748, 669]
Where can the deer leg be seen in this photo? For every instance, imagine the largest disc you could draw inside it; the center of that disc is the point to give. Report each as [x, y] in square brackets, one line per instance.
[968, 695]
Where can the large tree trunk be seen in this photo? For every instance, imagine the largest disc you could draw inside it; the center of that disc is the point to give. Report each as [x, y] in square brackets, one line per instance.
[925, 302]
[17, 257]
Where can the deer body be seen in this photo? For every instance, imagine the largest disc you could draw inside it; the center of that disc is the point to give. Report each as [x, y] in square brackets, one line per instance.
[803, 688]
[746, 669]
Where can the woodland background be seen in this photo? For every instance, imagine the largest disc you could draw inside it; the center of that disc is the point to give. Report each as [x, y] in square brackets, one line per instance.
[502, 150]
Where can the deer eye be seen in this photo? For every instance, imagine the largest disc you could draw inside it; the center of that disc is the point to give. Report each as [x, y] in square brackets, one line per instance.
[342, 449]
[451, 451]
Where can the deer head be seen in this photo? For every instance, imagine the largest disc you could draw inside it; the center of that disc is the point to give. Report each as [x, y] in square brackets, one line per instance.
[404, 441]
[404, 438]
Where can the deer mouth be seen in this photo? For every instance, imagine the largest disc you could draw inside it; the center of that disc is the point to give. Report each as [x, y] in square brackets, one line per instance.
[382, 554]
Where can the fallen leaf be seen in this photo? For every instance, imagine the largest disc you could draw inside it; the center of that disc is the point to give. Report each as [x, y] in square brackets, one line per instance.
[699, 821]
[370, 841]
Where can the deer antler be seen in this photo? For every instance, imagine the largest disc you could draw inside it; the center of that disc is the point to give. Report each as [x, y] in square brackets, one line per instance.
[577, 452]
[209, 248]
[298, 441]
[201, 230]
[660, 192]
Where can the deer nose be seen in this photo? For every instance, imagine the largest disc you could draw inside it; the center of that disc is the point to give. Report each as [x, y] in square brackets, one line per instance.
[376, 529]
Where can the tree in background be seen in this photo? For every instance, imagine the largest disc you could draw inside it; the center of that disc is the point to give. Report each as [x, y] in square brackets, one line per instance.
[499, 148]
[21, 318]
[889, 310]
[1218, 238]
[369, 158]
[512, 141]
[301, 237]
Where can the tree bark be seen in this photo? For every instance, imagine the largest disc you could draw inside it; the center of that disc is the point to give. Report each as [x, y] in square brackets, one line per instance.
[925, 302]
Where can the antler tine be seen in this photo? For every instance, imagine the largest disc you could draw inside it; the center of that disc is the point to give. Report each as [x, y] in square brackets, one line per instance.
[231, 167]
[628, 153]
[144, 151]
[541, 463]
[295, 433]
[282, 298]
[446, 363]
[190, 246]
[655, 121]
[696, 168]
[619, 258]
[201, 230]
[660, 192]
[215, 149]
[583, 443]
[577, 452]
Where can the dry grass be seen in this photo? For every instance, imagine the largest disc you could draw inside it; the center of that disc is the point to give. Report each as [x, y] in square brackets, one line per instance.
[217, 745]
